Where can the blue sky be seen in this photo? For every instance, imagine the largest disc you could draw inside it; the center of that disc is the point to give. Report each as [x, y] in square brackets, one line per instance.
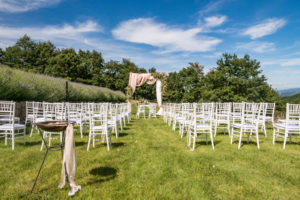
[166, 34]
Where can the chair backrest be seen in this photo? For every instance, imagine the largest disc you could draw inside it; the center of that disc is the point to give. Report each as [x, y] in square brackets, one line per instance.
[98, 114]
[60, 111]
[203, 114]
[293, 114]
[7, 111]
[37, 110]
[222, 111]
[270, 110]
[29, 108]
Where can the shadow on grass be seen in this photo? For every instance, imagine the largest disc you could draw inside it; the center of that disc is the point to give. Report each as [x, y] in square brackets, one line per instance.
[102, 174]
[287, 142]
[118, 144]
[208, 143]
[123, 134]
[34, 143]
[80, 143]
[245, 143]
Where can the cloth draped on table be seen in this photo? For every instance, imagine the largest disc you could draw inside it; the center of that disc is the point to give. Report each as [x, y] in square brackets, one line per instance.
[69, 162]
[136, 79]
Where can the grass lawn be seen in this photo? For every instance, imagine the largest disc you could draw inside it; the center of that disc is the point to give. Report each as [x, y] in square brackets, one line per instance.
[150, 161]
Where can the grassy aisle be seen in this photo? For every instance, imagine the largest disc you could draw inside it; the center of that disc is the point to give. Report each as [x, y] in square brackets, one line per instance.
[150, 161]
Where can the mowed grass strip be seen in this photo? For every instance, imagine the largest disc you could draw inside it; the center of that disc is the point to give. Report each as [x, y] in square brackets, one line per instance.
[150, 161]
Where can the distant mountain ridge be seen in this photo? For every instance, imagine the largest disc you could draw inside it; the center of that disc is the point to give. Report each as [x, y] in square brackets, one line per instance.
[289, 92]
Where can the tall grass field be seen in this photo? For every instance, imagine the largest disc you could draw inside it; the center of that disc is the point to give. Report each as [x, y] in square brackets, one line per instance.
[18, 85]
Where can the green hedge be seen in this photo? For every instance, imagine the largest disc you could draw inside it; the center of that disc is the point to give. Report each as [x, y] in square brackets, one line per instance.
[18, 85]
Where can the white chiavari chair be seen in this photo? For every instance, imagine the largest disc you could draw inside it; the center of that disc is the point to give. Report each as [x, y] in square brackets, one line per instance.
[98, 124]
[248, 123]
[290, 126]
[10, 129]
[141, 110]
[270, 113]
[152, 110]
[75, 114]
[202, 123]
[222, 117]
[113, 118]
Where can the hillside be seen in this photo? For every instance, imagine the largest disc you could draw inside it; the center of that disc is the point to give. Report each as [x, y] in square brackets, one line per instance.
[289, 92]
[292, 99]
[19, 85]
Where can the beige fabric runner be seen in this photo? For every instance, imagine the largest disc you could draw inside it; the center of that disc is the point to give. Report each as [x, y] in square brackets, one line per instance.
[69, 159]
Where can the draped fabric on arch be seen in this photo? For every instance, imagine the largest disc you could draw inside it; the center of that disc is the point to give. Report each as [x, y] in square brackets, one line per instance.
[136, 79]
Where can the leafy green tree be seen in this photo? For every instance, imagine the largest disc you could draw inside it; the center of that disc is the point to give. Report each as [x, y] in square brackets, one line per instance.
[21, 55]
[237, 79]
[174, 90]
[90, 68]
[64, 64]
[44, 51]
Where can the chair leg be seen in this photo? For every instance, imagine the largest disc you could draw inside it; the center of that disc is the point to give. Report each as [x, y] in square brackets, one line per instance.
[88, 147]
[5, 138]
[194, 143]
[81, 134]
[228, 127]
[290, 139]
[13, 140]
[274, 135]
[285, 137]
[93, 135]
[107, 141]
[240, 139]
[231, 136]
[116, 130]
[24, 135]
[31, 131]
[257, 138]
[265, 131]
[216, 127]
[212, 140]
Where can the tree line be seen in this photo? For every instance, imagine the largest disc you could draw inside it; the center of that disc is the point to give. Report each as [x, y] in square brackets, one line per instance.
[234, 78]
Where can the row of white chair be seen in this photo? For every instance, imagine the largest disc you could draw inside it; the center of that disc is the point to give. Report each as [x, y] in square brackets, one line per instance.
[80, 113]
[206, 118]
[97, 115]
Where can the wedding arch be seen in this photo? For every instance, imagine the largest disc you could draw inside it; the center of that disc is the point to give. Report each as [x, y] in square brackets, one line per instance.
[139, 79]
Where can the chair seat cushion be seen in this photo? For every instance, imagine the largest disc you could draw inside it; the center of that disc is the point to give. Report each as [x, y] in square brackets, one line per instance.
[201, 126]
[10, 126]
[288, 126]
[245, 126]
[99, 128]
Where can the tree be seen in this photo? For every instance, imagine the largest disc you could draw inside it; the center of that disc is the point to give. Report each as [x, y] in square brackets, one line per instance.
[44, 51]
[21, 55]
[237, 79]
[64, 64]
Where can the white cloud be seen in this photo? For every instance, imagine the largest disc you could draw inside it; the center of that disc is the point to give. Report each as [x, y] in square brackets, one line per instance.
[258, 47]
[169, 39]
[24, 5]
[214, 21]
[291, 62]
[284, 62]
[60, 34]
[214, 5]
[268, 27]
